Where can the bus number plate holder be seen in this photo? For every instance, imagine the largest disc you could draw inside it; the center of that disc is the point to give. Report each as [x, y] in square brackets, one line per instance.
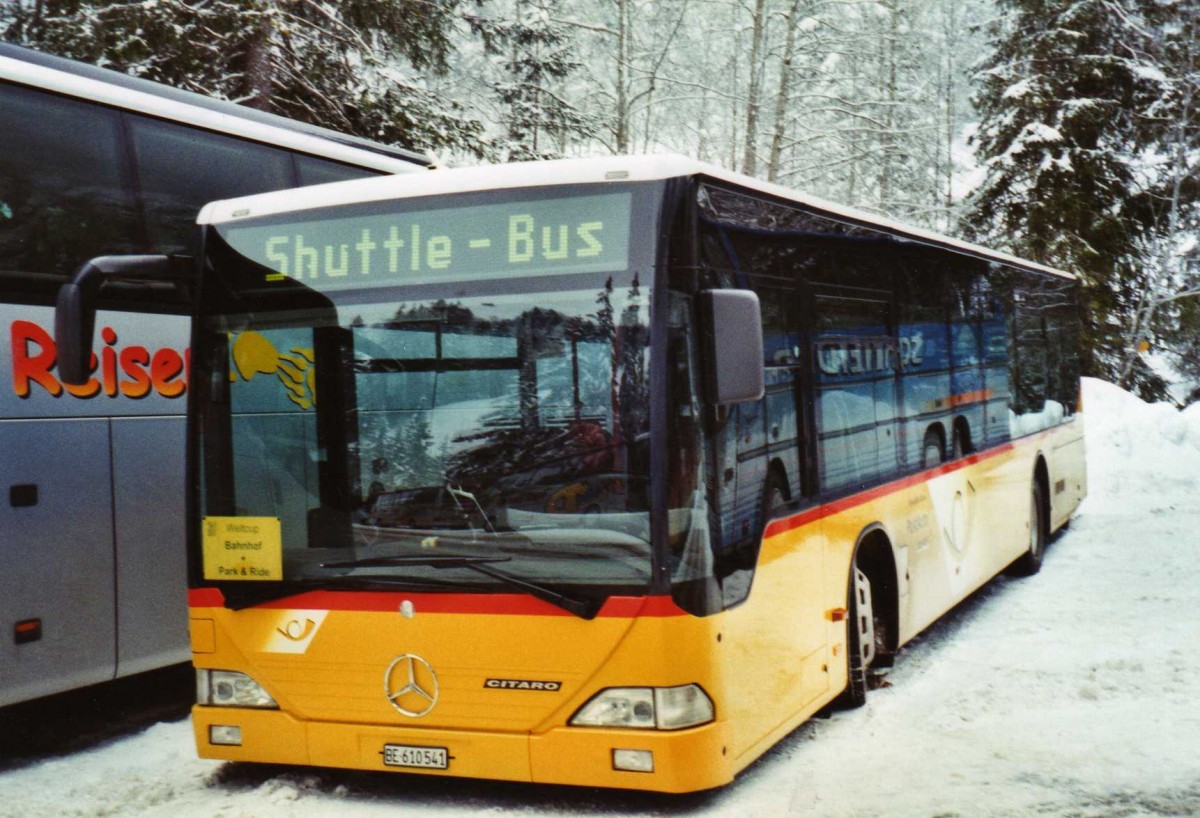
[409, 755]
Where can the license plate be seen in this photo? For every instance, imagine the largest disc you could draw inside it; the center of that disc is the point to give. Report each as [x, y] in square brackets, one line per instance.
[407, 755]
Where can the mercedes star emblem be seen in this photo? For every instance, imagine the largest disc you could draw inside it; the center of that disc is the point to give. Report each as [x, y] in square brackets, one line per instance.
[410, 685]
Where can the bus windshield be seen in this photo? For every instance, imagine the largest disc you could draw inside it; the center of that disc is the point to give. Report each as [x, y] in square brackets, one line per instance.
[488, 422]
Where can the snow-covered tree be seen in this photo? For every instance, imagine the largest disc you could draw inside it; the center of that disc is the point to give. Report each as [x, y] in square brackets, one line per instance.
[537, 56]
[1059, 128]
[357, 66]
[1167, 253]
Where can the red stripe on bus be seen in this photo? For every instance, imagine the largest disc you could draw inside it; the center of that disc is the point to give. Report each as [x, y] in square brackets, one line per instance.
[962, 399]
[625, 607]
[978, 396]
[811, 515]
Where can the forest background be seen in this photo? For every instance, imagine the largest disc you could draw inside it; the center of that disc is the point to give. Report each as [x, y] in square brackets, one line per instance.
[1063, 131]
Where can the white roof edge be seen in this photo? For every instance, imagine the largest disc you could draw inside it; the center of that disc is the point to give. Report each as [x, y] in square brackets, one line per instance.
[600, 170]
[90, 90]
[439, 181]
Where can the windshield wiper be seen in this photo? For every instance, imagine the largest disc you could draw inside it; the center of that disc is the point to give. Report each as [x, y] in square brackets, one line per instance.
[583, 608]
[240, 597]
[433, 560]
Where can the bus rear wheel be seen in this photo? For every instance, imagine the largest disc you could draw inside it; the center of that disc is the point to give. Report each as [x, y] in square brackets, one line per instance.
[1030, 562]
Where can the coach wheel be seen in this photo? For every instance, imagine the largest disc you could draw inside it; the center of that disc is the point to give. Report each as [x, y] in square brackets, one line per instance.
[860, 641]
[962, 440]
[774, 495]
[1030, 562]
[932, 452]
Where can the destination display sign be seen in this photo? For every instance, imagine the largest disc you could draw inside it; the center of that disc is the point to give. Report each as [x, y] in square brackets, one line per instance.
[580, 234]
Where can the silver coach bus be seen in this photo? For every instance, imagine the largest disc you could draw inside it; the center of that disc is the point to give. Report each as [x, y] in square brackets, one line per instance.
[91, 478]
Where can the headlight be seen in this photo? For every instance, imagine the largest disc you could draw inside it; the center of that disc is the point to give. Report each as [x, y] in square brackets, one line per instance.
[649, 708]
[227, 688]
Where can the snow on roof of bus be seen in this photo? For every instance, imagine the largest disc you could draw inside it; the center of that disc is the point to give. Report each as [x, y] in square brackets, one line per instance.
[597, 170]
[35, 69]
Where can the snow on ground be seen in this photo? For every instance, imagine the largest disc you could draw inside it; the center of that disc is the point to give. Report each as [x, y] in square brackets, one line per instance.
[1072, 693]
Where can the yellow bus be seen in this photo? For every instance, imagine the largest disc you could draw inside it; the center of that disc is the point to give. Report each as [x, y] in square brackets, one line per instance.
[596, 472]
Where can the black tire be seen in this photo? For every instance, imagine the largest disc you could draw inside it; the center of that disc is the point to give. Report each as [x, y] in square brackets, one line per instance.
[1030, 562]
[775, 495]
[962, 441]
[933, 451]
[855, 694]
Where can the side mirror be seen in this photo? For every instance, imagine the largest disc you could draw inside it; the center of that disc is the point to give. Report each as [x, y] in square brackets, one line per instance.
[75, 311]
[733, 324]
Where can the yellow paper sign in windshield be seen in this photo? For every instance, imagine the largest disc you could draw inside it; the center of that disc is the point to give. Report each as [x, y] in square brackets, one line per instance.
[242, 548]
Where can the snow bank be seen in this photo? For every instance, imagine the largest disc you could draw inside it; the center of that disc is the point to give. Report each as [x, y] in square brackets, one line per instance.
[1141, 457]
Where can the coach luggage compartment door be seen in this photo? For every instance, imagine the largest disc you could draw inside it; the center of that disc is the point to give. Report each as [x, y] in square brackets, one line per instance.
[57, 610]
[151, 559]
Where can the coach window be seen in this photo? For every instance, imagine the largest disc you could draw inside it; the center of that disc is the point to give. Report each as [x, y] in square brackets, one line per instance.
[62, 197]
[313, 171]
[181, 169]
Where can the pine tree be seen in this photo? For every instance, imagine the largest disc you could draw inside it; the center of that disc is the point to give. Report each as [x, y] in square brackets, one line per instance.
[1167, 314]
[352, 66]
[1058, 135]
[538, 56]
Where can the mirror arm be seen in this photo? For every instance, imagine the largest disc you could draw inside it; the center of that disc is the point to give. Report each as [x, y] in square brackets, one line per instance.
[75, 309]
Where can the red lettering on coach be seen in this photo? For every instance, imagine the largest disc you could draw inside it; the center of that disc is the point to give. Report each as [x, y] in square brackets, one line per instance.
[132, 371]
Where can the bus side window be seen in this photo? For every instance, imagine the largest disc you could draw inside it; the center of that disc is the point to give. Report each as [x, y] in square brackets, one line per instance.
[62, 194]
[855, 392]
[1062, 331]
[181, 169]
[927, 386]
[1030, 377]
[781, 349]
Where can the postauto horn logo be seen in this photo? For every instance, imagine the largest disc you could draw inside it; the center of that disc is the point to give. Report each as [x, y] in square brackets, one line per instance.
[131, 371]
[254, 354]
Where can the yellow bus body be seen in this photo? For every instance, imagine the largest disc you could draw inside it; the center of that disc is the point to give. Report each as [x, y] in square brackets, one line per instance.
[768, 664]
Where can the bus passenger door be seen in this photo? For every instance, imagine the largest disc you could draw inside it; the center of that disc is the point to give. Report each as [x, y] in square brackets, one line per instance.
[57, 605]
[782, 642]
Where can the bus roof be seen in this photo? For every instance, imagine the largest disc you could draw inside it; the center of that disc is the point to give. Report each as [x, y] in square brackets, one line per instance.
[603, 170]
[108, 87]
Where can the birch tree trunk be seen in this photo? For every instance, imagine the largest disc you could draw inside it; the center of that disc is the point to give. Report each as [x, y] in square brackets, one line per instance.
[779, 125]
[754, 88]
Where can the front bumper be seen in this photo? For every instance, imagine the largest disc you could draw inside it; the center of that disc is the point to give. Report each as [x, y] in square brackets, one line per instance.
[684, 761]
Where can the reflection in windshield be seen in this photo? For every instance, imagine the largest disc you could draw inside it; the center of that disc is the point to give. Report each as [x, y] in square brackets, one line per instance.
[503, 425]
